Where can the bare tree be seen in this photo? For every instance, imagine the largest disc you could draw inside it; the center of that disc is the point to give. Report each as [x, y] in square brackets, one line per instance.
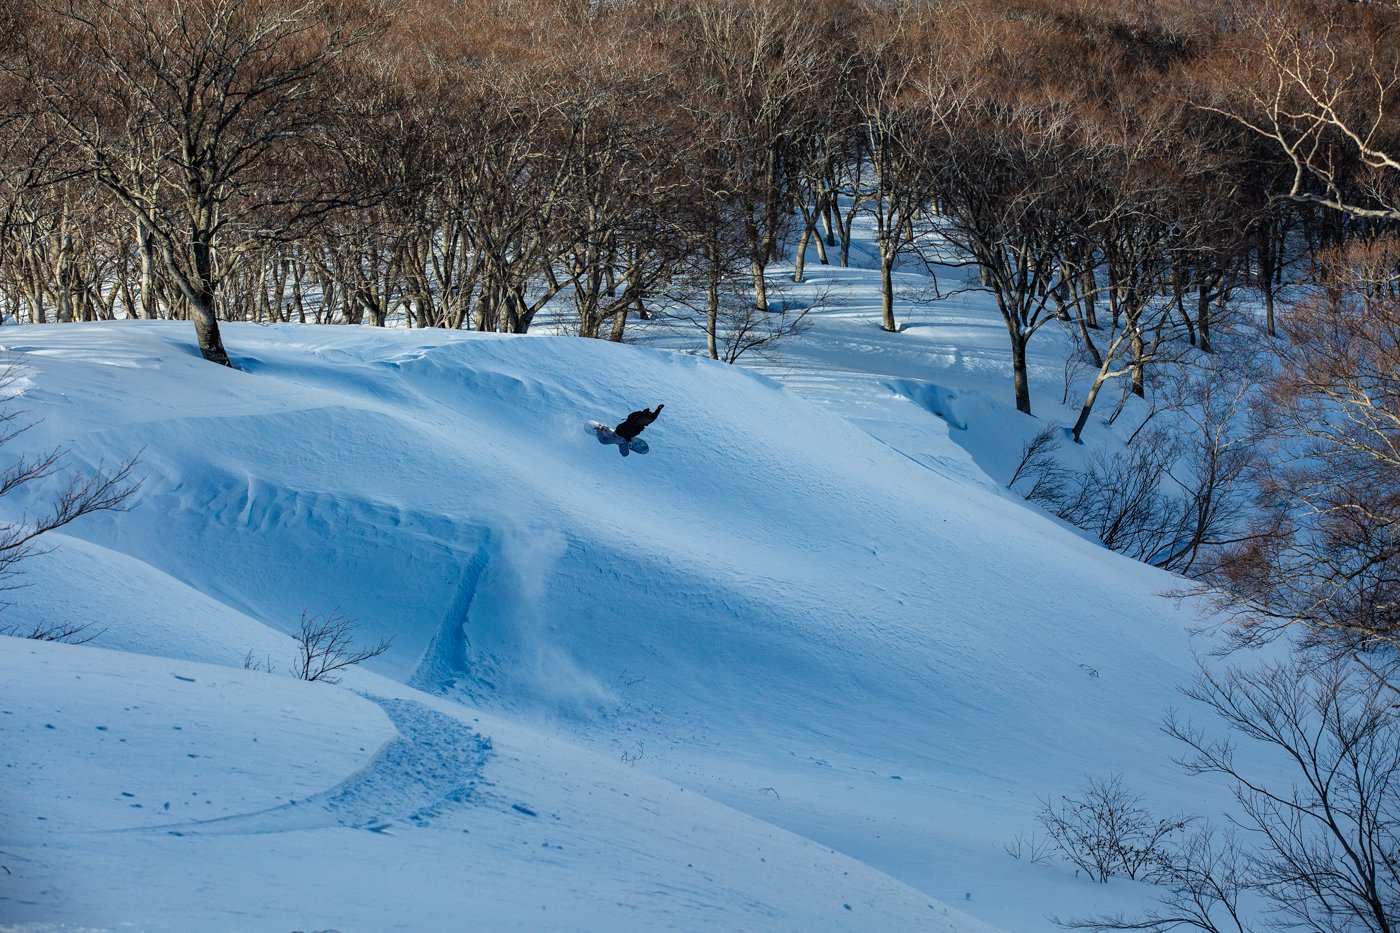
[1323, 86]
[1135, 224]
[1329, 839]
[1204, 883]
[1317, 783]
[1326, 550]
[70, 633]
[621, 213]
[1120, 497]
[80, 493]
[326, 644]
[734, 327]
[1105, 831]
[1040, 465]
[202, 120]
[508, 164]
[1003, 185]
[897, 96]
[756, 70]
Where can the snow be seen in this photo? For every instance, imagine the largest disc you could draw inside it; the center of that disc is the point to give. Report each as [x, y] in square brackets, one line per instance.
[220, 799]
[805, 665]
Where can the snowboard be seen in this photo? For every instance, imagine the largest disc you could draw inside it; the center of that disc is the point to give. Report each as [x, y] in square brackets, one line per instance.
[606, 435]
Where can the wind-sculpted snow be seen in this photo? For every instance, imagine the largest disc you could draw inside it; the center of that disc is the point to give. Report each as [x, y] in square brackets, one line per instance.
[861, 639]
[935, 399]
[98, 741]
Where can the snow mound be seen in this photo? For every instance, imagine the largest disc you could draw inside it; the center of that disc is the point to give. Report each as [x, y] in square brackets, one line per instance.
[856, 640]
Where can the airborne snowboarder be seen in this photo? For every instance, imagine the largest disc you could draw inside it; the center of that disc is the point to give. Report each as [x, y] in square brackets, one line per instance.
[625, 434]
[637, 422]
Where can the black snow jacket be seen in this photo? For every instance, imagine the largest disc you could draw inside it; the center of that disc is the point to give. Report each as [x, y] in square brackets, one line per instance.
[637, 422]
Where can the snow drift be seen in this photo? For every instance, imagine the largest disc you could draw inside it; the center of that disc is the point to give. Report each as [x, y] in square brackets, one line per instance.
[771, 608]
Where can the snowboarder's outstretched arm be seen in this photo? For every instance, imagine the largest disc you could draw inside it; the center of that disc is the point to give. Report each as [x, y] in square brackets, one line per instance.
[636, 422]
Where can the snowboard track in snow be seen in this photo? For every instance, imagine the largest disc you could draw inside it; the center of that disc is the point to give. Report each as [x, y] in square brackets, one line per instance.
[434, 764]
[444, 663]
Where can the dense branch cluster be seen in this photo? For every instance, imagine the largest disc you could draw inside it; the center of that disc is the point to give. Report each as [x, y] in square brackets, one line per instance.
[464, 164]
[1312, 758]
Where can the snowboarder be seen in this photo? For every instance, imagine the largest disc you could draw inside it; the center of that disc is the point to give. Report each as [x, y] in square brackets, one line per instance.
[636, 422]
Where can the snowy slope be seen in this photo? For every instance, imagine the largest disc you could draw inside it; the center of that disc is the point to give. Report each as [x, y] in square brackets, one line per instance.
[218, 799]
[858, 639]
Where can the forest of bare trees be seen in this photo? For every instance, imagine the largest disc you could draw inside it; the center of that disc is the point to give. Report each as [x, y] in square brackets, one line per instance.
[1125, 172]
[1118, 167]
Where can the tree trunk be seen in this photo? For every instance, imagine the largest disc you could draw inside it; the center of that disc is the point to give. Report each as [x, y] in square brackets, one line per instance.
[109, 305]
[206, 329]
[61, 274]
[589, 322]
[845, 223]
[887, 256]
[1018, 373]
[376, 311]
[1267, 272]
[712, 306]
[63, 312]
[1202, 319]
[299, 296]
[129, 308]
[800, 260]
[760, 287]
[1089, 286]
[824, 213]
[1139, 366]
[149, 309]
[200, 300]
[619, 324]
[1082, 318]
[1088, 405]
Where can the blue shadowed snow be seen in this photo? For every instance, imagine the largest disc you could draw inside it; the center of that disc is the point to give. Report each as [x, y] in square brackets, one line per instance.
[778, 609]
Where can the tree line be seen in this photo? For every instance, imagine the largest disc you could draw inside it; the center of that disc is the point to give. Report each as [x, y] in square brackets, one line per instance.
[463, 164]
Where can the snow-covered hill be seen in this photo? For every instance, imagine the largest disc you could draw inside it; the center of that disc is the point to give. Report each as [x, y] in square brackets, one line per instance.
[783, 672]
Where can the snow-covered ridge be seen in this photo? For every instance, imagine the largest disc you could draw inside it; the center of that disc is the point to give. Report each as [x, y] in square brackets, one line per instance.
[771, 608]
